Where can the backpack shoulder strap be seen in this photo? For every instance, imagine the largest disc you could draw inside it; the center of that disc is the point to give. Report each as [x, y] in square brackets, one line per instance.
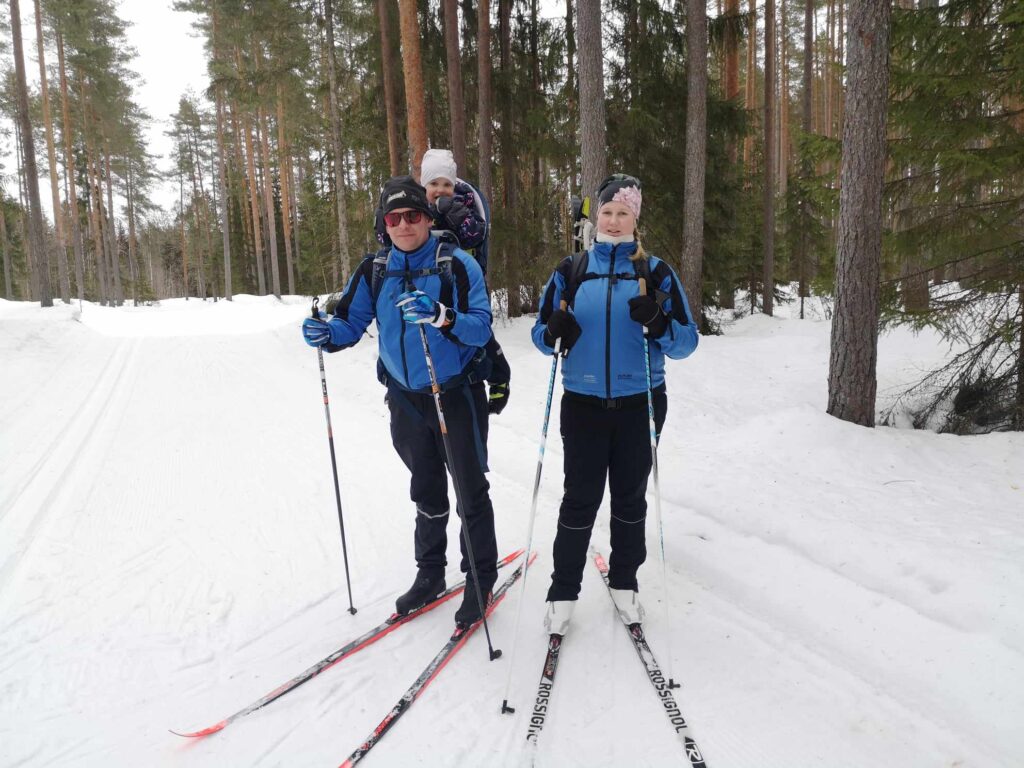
[379, 272]
[575, 275]
[443, 264]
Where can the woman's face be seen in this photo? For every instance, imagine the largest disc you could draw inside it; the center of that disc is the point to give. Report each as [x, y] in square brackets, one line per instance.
[615, 219]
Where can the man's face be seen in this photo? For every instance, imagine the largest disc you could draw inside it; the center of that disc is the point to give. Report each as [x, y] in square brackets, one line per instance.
[439, 187]
[408, 236]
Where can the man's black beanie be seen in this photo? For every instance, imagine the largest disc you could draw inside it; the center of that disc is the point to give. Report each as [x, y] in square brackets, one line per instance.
[403, 192]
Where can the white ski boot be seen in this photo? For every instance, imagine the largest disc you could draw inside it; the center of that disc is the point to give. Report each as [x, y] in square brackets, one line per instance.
[627, 603]
[559, 613]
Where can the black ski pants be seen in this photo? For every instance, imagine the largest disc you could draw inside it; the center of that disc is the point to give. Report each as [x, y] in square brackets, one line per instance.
[599, 443]
[416, 435]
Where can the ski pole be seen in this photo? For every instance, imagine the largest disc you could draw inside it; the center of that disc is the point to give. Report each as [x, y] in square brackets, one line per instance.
[657, 487]
[334, 465]
[436, 391]
[505, 708]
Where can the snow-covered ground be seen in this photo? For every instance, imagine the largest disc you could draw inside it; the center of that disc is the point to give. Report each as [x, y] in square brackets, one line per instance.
[169, 552]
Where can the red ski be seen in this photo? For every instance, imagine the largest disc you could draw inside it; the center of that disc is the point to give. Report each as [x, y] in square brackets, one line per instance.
[393, 622]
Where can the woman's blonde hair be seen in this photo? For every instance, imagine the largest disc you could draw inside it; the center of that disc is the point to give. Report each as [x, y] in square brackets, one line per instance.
[640, 253]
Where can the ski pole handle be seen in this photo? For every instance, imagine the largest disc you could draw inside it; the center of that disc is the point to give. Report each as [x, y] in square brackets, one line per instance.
[642, 290]
[316, 308]
[563, 305]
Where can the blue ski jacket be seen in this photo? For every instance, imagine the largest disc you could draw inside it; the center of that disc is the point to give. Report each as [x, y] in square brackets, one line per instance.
[453, 347]
[607, 361]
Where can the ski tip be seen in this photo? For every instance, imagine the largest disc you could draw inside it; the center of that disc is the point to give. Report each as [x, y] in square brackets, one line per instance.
[205, 732]
[505, 708]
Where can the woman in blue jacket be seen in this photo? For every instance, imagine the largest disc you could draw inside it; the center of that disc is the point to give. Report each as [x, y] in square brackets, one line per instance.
[604, 416]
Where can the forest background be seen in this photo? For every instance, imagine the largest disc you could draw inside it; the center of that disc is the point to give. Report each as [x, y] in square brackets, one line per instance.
[736, 115]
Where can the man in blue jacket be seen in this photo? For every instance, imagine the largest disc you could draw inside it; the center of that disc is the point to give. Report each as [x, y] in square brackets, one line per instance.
[439, 287]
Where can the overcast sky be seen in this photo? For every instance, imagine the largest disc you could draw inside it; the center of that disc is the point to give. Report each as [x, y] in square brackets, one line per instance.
[170, 60]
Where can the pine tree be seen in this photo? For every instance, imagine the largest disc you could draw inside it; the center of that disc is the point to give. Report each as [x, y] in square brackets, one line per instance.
[696, 156]
[852, 383]
[37, 246]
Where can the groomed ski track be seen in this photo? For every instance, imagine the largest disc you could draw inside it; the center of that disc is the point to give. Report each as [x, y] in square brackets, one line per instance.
[169, 547]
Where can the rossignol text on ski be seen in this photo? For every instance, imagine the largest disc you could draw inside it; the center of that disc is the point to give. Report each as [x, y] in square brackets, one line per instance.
[661, 686]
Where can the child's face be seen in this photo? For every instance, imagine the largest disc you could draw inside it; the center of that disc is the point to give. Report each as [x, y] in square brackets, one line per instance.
[439, 187]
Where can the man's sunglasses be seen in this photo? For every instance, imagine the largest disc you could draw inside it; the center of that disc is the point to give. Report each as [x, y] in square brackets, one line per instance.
[394, 218]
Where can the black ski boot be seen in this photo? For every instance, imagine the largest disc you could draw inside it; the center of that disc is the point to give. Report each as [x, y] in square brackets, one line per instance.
[469, 612]
[428, 585]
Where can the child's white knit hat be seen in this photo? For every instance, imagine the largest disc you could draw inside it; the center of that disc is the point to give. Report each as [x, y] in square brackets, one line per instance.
[438, 163]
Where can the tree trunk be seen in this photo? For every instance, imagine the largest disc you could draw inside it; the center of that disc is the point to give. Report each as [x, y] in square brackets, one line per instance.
[244, 209]
[852, 380]
[198, 200]
[133, 267]
[33, 288]
[732, 51]
[696, 154]
[570, 57]
[5, 245]
[387, 58]
[58, 218]
[268, 199]
[412, 66]
[35, 223]
[1018, 421]
[295, 208]
[94, 200]
[841, 96]
[783, 68]
[254, 205]
[749, 91]
[805, 166]
[829, 37]
[339, 175]
[592, 114]
[509, 153]
[768, 238]
[485, 99]
[456, 103]
[69, 174]
[115, 256]
[284, 163]
[222, 162]
[184, 245]
[732, 63]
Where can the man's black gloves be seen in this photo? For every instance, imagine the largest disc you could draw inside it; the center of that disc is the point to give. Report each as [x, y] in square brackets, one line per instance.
[497, 397]
[645, 310]
[499, 378]
[562, 325]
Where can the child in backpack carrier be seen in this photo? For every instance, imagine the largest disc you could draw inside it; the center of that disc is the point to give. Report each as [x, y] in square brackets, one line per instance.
[453, 201]
[457, 210]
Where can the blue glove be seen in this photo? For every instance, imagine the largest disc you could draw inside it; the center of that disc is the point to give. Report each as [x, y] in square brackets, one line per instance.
[316, 332]
[417, 307]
